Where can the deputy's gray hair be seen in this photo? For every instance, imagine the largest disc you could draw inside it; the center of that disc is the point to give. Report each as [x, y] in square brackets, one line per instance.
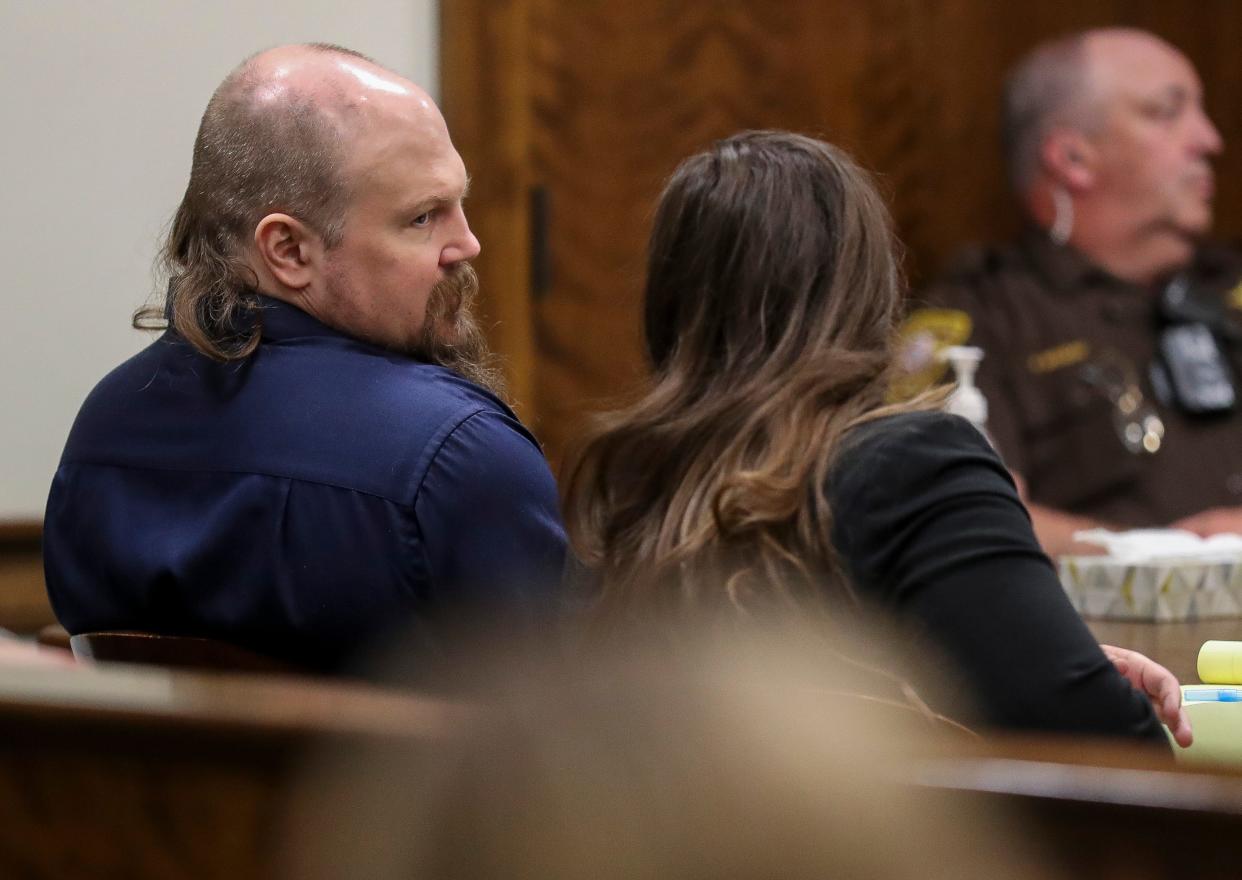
[1049, 87]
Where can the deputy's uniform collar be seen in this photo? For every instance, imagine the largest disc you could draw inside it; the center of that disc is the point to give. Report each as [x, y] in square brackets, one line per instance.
[1064, 269]
[1067, 271]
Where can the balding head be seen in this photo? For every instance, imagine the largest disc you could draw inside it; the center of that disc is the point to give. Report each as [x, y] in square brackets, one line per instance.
[275, 137]
[347, 90]
[1110, 125]
[1067, 82]
[1047, 88]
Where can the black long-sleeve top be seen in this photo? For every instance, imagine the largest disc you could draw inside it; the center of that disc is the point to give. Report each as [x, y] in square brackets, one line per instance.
[929, 525]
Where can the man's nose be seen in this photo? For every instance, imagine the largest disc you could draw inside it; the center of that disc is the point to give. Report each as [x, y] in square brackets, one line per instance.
[464, 246]
[1207, 138]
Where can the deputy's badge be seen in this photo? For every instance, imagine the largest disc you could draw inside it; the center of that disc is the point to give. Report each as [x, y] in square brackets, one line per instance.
[1114, 376]
[922, 337]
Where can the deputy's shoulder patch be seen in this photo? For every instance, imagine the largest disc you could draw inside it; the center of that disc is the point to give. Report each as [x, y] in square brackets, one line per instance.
[1234, 297]
[925, 333]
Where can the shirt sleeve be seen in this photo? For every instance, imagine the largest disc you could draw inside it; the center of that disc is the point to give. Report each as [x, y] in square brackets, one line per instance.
[489, 518]
[929, 524]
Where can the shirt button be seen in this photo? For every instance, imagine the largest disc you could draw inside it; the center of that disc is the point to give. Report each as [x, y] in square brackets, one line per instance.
[1234, 484]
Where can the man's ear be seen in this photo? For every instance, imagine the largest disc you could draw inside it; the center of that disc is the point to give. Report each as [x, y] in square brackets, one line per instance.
[1069, 158]
[289, 249]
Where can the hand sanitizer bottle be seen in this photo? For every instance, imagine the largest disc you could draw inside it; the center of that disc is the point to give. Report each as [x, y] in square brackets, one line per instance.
[966, 400]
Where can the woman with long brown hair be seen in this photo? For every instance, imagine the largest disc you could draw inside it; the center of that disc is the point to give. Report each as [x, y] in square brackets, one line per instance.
[763, 467]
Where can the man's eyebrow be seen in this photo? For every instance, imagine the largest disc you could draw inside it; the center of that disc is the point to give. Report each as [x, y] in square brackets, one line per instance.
[1177, 92]
[440, 201]
[430, 202]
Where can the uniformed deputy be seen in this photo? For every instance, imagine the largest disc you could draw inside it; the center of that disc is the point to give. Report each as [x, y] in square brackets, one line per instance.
[1112, 336]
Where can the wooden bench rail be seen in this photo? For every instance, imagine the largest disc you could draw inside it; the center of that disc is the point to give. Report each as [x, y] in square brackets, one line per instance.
[1102, 809]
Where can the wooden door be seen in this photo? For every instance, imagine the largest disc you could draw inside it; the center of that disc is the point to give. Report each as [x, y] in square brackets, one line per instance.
[570, 114]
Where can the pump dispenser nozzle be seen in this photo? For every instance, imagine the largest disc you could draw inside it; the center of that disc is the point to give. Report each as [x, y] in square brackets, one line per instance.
[966, 400]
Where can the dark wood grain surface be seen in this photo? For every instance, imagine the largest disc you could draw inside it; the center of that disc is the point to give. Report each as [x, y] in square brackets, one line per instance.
[142, 773]
[155, 774]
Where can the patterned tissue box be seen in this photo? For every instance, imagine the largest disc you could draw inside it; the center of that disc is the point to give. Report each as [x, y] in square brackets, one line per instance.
[1104, 588]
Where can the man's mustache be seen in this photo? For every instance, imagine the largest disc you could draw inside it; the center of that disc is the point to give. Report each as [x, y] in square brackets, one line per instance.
[451, 337]
[455, 291]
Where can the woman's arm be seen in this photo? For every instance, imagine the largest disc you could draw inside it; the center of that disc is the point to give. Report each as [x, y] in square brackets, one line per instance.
[929, 524]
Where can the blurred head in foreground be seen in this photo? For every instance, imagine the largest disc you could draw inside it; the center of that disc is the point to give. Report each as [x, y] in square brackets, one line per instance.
[733, 757]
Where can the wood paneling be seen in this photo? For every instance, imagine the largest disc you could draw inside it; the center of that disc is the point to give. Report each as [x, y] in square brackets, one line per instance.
[486, 104]
[613, 95]
[24, 606]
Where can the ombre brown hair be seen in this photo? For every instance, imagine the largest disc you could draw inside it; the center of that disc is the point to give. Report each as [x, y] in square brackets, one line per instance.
[772, 297]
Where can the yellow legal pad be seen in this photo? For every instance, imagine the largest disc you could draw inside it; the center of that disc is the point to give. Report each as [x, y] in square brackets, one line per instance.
[1217, 726]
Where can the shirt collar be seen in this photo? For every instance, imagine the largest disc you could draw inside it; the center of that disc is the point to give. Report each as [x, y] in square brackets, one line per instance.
[1064, 268]
[1067, 271]
[281, 321]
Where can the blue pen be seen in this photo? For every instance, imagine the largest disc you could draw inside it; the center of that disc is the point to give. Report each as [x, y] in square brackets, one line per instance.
[1213, 695]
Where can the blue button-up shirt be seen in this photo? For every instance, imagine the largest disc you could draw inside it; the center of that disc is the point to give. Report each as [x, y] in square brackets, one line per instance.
[299, 502]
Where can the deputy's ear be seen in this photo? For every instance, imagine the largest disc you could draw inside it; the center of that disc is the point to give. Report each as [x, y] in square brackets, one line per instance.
[1070, 158]
[291, 251]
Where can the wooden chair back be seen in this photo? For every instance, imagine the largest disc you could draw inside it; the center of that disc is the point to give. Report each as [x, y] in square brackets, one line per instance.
[179, 652]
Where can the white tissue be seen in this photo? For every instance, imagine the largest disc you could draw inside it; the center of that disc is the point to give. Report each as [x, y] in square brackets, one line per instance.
[1163, 545]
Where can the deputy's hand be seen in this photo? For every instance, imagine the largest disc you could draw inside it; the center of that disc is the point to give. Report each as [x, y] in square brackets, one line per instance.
[1055, 529]
[1159, 685]
[1020, 482]
[1212, 521]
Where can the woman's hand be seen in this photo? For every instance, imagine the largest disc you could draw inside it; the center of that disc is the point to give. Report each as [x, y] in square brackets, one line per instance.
[1159, 685]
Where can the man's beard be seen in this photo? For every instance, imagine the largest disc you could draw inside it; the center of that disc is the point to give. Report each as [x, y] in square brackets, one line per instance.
[451, 337]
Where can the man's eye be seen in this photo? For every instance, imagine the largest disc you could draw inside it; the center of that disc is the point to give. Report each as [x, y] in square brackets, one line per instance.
[422, 219]
[1164, 111]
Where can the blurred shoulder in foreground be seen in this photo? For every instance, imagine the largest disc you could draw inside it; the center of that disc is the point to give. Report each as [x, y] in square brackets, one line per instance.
[745, 752]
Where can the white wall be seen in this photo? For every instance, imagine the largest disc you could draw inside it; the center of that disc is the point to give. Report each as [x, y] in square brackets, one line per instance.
[99, 104]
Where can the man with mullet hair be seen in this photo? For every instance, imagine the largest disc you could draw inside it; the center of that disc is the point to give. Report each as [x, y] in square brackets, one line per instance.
[1112, 331]
[316, 449]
